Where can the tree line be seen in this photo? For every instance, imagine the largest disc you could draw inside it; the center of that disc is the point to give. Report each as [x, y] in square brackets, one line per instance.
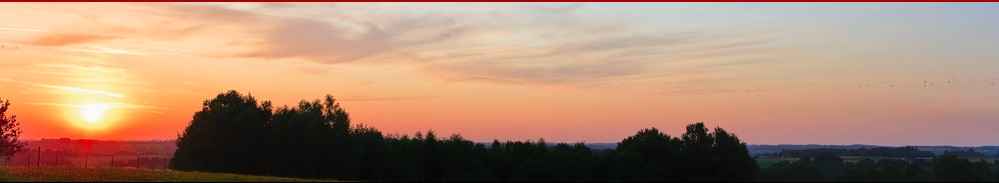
[894, 152]
[829, 167]
[236, 133]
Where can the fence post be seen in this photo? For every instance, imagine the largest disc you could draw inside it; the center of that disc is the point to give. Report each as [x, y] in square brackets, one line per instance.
[38, 157]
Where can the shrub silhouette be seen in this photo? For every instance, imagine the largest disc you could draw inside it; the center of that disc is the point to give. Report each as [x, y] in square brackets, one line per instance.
[10, 131]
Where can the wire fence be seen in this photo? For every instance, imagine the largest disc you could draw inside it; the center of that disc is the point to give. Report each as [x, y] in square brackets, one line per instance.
[39, 157]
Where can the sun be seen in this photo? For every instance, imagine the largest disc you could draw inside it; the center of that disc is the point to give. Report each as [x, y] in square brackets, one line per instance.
[93, 114]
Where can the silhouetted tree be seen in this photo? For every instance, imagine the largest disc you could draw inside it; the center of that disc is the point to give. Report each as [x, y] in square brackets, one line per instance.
[953, 168]
[10, 131]
[302, 140]
[716, 155]
[828, 167]
[995, 170]
[698, 150]
[369, 148]
[463, 160]
[233, 133]
[733, 162]
[225, 136]
[649, 155]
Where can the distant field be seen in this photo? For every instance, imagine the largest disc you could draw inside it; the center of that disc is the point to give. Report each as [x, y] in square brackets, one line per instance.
[126, 174]
[767, 161]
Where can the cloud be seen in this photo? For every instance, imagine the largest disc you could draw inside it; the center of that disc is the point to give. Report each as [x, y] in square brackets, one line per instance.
[20, 29]
[554, 47]
[388, 99]
[63, 39]
[541, 74]
[524, 44]
[118, 105]
[556, 8]
[80, 75]
[599, 59]
[79, 90]
[326, 43]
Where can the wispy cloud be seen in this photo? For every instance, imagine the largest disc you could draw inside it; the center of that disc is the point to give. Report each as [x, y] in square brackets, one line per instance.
[20, 29]
[67, 89]
[78, 90]
[525, 44]
[116, 105]
[384, 99]
[327, 43]
[63, 39]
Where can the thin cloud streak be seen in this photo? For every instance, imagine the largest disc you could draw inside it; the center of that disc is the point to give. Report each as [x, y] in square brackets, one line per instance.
[82, 90]
[582, 52]
[67, 39]
[609, 53]
[116, 105]
[72, 89]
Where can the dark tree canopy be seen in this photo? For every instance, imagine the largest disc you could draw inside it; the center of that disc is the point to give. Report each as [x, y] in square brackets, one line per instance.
[829, 167]
[236, 133]
[10, 131]
[315, 139]
[953, 168]
[225, 136]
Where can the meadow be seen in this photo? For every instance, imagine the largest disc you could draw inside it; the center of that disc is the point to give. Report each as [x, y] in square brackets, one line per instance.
[50, 174]
[767, 161]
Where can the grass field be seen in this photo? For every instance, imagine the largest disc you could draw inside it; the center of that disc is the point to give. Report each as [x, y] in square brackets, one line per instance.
[20, 174]
[766, 162]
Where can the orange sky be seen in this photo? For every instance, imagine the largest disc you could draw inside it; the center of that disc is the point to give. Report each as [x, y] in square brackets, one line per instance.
[772, 73]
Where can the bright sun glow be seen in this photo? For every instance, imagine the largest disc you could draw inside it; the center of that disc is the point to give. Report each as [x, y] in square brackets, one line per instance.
[93, 113]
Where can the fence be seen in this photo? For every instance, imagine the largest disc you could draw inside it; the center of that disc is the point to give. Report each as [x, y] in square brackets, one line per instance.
[39, 157]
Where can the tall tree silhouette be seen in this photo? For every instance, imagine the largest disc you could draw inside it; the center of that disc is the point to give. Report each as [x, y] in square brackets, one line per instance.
[698, 149]
[733, 161]
[649, 155]
[225, 136]
[300, 137]
[10, 131]
[338, 138]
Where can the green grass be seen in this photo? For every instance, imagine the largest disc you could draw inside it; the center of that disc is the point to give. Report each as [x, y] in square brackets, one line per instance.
[20, 174]
[766, 162]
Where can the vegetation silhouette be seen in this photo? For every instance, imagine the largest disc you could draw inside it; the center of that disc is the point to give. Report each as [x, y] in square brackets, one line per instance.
[894, 152]
[830, 167]
[10, 131]
[235, 133]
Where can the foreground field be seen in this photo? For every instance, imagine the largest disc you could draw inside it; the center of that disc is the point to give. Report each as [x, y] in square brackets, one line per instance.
[124, 174]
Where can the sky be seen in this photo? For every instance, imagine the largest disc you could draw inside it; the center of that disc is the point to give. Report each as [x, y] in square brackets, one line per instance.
[773, 73]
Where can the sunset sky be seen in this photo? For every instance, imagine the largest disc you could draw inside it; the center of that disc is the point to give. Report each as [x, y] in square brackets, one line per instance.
[887, 74]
